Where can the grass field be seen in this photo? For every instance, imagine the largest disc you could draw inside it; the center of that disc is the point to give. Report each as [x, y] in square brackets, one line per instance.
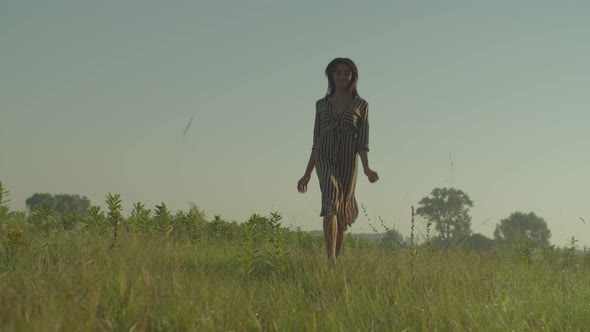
[59, 274]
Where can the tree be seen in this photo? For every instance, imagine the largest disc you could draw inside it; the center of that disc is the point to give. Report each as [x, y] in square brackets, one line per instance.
[38, 200]
[448, 210]
[394, 238]
[520, 227]
[63, 204]
[479, 242]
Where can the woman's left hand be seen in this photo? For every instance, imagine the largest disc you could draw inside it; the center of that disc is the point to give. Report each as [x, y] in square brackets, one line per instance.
[372, 175]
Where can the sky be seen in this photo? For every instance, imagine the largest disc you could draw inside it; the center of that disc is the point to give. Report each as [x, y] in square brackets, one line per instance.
[490, 97]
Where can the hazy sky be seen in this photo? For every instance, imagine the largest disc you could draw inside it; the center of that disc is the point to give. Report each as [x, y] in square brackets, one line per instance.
[488, 96]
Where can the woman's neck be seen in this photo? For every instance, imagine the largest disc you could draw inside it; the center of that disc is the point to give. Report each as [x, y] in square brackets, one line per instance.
[342, 94]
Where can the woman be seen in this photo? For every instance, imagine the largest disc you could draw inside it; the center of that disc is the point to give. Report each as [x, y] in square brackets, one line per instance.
[341, 131]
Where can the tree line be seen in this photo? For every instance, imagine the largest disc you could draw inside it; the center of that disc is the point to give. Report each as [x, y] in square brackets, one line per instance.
[445, 211]
[448, 223]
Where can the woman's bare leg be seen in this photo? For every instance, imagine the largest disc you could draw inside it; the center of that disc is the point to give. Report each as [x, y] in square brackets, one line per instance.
[339, 239]
[330, 235]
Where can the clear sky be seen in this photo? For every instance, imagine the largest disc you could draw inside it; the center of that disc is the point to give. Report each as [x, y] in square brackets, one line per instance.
[488, 96]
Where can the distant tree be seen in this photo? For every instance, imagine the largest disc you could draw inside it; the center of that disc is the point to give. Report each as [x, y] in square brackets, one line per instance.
[520, 227]
[38, 200]
[67, 204]
[479, 242]
[63, 204]
[448, 210]
[393, 237]
[436, 241]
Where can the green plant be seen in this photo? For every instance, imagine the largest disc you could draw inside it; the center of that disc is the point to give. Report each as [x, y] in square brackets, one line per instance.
[140, 217]
[42, 218]
[3, 200]
[570, 252]
[114, 215]
[250, 253]
[277, 236]
[163, 218]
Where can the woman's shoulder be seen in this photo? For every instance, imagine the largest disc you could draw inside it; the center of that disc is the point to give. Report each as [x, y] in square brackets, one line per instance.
[321, 103]
[323, 100]
[362, 103]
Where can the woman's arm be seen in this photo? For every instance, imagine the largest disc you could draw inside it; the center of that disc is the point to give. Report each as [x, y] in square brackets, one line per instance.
[310, 163]
[364, 159]
[371, 174]
[302, 183]
[363, 146]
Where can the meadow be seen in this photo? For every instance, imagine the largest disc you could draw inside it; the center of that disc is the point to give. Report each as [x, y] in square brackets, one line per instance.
[161, 271]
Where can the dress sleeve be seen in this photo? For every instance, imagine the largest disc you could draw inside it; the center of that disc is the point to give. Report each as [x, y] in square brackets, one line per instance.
[363, 135]
[316, 128]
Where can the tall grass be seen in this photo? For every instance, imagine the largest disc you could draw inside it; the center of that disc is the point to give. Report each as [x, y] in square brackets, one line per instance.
[198, 274]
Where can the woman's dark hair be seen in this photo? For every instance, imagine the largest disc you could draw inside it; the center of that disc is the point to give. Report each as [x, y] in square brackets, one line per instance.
[330, 72]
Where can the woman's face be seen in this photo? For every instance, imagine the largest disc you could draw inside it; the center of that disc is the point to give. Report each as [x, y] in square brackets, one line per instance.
[342, 76]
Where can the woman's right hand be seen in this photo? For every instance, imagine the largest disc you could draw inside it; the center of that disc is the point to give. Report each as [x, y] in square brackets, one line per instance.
[302, 184]
[372, 175]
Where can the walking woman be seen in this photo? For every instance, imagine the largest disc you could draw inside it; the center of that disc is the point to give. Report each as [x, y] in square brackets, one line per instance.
[341, 132]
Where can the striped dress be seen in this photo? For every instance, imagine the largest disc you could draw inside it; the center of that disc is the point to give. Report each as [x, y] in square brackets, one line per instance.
[337, 138]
